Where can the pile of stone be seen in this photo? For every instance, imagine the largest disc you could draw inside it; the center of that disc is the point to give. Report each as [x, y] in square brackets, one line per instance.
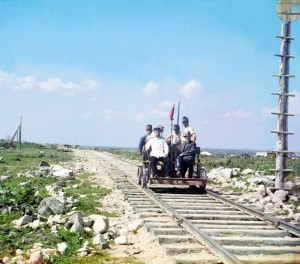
[58, 212]
[255, 187]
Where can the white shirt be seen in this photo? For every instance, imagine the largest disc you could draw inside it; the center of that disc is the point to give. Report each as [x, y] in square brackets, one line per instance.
[159, 147]
[186, 129]
[175, 139]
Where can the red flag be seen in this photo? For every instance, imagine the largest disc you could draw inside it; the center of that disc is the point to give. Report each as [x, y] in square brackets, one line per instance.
[172, 112]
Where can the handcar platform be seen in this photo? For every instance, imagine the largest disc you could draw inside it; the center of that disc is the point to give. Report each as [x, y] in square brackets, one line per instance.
[178, 181]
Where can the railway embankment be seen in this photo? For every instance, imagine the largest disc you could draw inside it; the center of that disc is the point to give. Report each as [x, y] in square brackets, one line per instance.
[85, 210]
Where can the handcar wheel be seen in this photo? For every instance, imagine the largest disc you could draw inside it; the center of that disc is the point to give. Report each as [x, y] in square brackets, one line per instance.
[140, 175]
[198, 171]
[145, 179]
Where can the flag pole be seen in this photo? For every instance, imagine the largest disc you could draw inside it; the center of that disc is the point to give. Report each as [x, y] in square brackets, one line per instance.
[178, 113]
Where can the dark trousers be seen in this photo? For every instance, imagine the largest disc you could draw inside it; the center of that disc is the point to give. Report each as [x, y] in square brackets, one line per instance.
[184, 163]
[154, 160]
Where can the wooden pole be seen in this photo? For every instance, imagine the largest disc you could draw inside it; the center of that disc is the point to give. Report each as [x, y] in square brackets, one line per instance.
[282, 122]
[20, 134]
[178, 112]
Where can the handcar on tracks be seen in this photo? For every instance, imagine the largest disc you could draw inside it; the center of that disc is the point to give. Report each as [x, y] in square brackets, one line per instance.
[145, 175]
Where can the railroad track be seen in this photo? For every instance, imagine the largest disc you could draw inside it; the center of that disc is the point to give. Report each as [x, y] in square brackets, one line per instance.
[187, 223]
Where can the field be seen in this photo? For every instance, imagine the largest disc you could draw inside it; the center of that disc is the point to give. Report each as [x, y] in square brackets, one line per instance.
[23, 188]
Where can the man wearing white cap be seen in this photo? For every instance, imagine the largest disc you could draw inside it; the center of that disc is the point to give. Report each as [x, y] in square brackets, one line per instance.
[159, 152]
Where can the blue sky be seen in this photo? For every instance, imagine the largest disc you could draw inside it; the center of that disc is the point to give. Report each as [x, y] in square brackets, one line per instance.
[96, 72]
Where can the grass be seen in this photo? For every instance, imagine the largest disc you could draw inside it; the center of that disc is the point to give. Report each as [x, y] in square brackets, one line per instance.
[15, 197]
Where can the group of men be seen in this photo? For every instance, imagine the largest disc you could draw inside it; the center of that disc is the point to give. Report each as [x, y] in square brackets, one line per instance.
[180, 144]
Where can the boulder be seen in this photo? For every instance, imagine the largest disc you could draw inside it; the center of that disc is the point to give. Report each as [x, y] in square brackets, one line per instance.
[44, 164]
[50, 205]
[279, 195]
[24, 220]
[98, 239]
[36, 258]
[236, 171]
[101, 225]
[121, 240]
[135, 226]
[4, 178]
[77, 218]
[64, 173]
[261, 191]
[247, 172]
[62, 248]
[227, 173]
[77, 228]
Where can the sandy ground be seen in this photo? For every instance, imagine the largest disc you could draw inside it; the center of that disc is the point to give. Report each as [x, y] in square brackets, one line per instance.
[141, 245]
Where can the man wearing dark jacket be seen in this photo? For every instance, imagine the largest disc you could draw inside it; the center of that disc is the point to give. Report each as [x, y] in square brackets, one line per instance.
[143, 139]
[186, 158]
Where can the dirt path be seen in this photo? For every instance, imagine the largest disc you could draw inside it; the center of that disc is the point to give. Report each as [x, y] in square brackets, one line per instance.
[141, 245]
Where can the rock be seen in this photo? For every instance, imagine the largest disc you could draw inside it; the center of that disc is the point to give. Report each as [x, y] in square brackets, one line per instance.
[289, 184]
[54, 229]
[294, 198]
[261, 190]
[98, 239]
[77, 218]
[103, 245]
[87, 221]
[68, 225]
[227, 173]
[88, 230]
[36, 224]
[279, 195]
[19, 252]
[121, 240]
[135, 226]
[36, 258]
[56, 219]
[56, 168]
[25, 220]
[4, 178]
[101, 225]
[62, 248]
[17, 259]
[50, 205]
[260, 173]
[258, 180]
[247, 172]
[64, 173]
[5, 260]
[236, 171]
[77, 228]
[20, 174]
[270, 177]
[44, 164]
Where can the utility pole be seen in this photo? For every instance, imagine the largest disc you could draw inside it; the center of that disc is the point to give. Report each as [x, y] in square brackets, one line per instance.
[287, 10]
[20, 134]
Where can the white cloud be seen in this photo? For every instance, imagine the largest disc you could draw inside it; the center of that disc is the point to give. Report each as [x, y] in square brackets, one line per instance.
[240, 114]
[140, 117]
[166, 104]
[191, 88]
[150, 88]
[161, 111]
[266, 111]
[294, 103]
[86, 115]
[111, 114]
[50, 85]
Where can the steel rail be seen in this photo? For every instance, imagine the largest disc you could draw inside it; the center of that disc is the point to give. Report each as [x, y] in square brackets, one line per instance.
[279, 223]
[213, 246]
